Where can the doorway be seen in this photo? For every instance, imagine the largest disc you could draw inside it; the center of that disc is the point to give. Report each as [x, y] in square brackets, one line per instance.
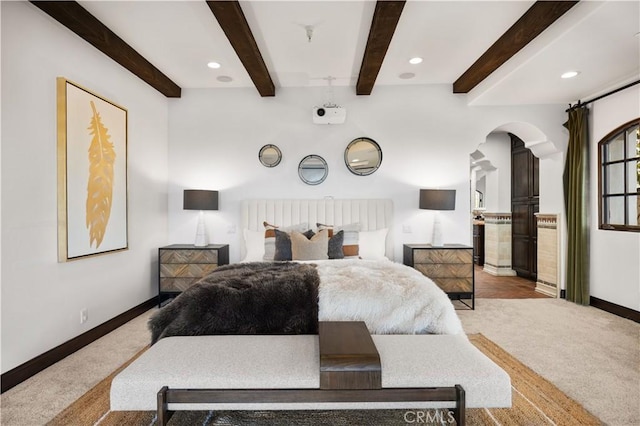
[512, 184]
[525, 203]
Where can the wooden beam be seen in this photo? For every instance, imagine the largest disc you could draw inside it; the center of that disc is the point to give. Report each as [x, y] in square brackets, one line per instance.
[535, 20]
[234, 24]
[88, 27]
[383, 25]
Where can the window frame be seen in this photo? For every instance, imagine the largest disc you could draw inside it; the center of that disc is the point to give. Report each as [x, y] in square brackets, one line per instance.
[603, 195]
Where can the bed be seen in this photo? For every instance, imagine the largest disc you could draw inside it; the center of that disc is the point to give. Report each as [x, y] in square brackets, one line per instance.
[270, 314]
[289, 295]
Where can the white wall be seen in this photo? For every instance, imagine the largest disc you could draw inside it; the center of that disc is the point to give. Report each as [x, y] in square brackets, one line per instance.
[426, 134]
[615, 255]
[497, 150]
[0, 199]
[41, 298]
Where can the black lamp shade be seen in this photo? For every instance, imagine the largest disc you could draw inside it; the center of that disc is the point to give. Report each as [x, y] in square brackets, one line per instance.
[438, 199]
[200, 199]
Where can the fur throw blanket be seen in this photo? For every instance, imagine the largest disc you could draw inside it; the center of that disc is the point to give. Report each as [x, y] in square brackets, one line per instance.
[290, 298]
[390, 297]
[248, 298]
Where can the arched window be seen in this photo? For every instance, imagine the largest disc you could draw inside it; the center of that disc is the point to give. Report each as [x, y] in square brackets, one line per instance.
[619, 178]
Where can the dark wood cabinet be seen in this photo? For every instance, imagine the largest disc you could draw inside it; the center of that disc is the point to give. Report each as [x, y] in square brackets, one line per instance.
[450, 267]
[525, 197]
[182, 265]
[478, 244]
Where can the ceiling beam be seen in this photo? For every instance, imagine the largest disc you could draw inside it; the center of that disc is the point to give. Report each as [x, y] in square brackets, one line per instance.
[535, 20]
[234, 24]
[385, 19]
[88, 27]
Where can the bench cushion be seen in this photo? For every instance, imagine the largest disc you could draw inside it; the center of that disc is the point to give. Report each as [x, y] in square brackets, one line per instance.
[292, 362]
[443, 360]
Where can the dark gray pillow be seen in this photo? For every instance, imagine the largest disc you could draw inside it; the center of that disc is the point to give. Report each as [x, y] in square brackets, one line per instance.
[283, 244]
[335, 246]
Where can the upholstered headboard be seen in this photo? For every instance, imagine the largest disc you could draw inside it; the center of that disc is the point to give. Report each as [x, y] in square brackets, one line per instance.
[370, 214]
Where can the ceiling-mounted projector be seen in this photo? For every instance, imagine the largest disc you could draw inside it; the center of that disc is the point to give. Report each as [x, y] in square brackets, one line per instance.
[329, 114]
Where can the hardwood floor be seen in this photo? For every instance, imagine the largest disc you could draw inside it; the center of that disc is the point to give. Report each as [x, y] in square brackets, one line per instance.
[488, 286]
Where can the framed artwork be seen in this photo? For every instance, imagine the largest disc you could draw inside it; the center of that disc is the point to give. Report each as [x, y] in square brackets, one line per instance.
[92, 173]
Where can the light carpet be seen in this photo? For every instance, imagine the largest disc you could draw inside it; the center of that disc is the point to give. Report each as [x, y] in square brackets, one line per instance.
[591, 355]
[536, 401]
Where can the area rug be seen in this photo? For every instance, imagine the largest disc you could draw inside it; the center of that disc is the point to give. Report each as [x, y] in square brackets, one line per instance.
[536, 401]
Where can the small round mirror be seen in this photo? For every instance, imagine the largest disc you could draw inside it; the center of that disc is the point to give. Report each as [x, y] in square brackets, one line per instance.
[363, 156]
[313, 170]
[270, 155]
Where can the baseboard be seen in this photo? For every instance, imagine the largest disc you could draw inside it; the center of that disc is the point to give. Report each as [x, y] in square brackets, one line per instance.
[22, 372]
[612, 308]
[499, 271]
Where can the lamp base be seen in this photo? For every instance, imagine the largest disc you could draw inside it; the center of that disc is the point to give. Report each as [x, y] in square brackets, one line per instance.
[437, 240]
[201, 232]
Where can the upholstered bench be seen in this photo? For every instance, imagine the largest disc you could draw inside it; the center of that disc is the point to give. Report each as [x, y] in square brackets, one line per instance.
[283, 362]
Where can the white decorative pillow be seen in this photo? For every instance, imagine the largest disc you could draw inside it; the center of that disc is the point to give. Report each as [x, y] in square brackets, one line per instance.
[372, 244]
[315, 248]
[254, 243]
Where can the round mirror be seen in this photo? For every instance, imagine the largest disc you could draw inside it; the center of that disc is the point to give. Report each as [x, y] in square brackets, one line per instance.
[363, 156]
[270, 155]
[313, 170]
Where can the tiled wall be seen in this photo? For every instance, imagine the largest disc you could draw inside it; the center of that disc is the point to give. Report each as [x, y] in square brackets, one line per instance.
[548, 254]
[497, 244]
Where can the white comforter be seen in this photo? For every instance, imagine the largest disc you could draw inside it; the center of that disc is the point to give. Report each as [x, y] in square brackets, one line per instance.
[391, 298]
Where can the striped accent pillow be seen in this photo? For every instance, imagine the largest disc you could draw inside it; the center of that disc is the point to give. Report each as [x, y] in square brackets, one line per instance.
[350, 243]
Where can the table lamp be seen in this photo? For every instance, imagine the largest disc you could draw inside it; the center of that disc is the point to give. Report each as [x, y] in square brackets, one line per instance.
[437, 199]
[200, 199]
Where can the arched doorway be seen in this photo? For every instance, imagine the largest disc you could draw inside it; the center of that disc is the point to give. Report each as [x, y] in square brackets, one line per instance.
[491, 169]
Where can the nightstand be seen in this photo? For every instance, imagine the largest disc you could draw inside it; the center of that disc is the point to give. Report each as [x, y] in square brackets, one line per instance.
[182, 265]
[449, 266]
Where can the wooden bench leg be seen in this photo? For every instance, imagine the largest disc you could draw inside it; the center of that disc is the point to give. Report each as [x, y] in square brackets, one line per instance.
[163, 413]
[460, 409]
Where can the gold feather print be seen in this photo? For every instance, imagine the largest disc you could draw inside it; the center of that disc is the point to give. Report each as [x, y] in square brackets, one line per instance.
[100, 185]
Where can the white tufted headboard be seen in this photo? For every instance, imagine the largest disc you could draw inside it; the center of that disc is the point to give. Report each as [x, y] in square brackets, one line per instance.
[370, 214]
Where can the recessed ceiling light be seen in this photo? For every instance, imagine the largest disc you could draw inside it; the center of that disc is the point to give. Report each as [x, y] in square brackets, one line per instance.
[570, 74]
[213, 65]
[224, 79]
[415, 61]
[406, 75]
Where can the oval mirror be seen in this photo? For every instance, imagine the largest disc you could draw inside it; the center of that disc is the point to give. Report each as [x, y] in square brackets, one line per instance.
[313, 170]
[270, 155]
[363, 156]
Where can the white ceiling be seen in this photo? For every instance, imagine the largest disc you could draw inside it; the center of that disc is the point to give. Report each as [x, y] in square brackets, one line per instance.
[599, 39]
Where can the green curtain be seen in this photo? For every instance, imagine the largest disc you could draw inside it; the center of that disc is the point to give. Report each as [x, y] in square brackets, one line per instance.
[576, 190]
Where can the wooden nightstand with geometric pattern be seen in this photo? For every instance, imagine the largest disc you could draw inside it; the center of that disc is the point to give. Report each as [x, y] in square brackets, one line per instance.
[182, 265]
[449, 266]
